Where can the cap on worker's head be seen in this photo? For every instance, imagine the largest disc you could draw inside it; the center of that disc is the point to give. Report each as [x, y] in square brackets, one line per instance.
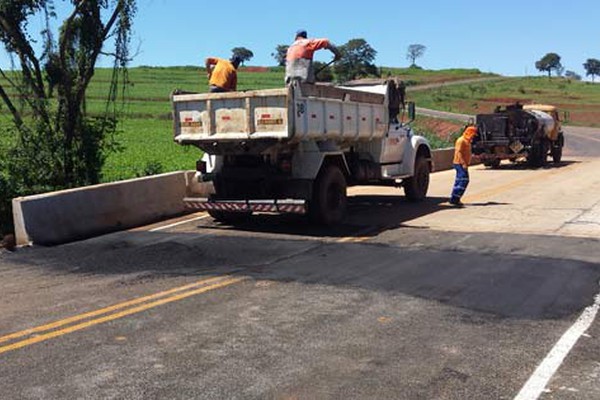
[301, 33]
[236, 60]
[470, 132]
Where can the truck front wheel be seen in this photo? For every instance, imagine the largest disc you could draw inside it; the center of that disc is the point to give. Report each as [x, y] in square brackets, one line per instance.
[494, 163]
[328, 206]
[415, 187]
[557, 149]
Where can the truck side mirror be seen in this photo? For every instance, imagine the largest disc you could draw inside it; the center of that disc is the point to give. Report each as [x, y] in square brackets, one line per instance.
[411, 111]
[566, 116]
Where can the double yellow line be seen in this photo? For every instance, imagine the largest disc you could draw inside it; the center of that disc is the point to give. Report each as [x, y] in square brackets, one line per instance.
[82, 321]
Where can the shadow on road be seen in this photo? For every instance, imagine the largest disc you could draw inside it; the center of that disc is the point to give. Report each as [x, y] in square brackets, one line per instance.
[456, 269]
[368, 215]
[523, 165]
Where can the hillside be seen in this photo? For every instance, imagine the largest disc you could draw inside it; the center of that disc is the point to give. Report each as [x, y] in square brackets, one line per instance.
[146, 129]
[581, 100]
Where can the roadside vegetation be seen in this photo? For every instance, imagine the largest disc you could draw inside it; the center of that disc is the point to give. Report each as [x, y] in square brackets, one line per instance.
[581, 100]
[441, 133]
[144, 133]
[50, 141]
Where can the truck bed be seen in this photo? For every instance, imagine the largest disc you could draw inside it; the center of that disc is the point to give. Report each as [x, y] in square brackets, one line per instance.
[297, 112]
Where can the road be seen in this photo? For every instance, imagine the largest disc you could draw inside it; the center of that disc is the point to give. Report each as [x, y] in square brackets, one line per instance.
[496, 300]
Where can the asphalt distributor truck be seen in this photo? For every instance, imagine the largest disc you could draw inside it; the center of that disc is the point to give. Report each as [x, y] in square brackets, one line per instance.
[298, 148]
[532, 132]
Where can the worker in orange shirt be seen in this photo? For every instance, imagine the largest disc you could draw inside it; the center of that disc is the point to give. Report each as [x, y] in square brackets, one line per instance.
[299, 59]
[222, 74]
[461, 162]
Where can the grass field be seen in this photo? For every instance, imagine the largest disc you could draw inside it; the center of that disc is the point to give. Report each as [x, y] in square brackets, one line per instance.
[146, 125]
[146, 128]
[580, 99]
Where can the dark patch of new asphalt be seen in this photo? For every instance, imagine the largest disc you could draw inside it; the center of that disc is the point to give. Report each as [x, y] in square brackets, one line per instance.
[408, 314]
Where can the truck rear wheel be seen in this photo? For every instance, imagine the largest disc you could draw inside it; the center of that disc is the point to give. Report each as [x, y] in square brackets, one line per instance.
[415, 187]
[538, 155]
[229, 217]
[328, 206]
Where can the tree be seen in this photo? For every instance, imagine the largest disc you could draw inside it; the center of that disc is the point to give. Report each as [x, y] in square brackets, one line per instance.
[323, 72]
[243, 53]
[280, 54]
[415, 51]
[356, 60]
[592, 67]
[57, 145]
[550, 62]
[572, 75]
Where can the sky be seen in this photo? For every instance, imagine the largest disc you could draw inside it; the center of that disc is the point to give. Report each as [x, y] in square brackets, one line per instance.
[505, 37]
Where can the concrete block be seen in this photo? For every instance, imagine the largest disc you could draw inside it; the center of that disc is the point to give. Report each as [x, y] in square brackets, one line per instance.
[68, 215]
[74, 214]
[442, 159]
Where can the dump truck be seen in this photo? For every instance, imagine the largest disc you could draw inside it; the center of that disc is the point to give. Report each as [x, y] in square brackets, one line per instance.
[532, 132]
[297, 149]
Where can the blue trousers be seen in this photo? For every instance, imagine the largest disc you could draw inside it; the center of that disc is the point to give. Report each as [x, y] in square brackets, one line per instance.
[461, 182]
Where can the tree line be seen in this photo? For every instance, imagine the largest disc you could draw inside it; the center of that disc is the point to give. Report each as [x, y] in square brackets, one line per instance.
[356, 61]
[551, 62]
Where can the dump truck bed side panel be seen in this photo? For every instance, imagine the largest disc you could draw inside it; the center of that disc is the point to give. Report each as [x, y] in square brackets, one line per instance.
[302, 112]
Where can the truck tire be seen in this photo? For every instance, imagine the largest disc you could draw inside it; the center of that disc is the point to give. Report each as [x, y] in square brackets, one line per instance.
[539, 155]
[495, 163]
[415, 187]
[328, 205]
[229, 217]
[557, 149]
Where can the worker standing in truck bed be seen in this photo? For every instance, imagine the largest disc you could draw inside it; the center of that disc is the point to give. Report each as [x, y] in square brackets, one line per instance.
[222, 74]
[299, 59]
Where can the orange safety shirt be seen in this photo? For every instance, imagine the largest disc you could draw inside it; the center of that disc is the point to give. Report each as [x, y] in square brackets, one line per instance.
[305, 48]
[224, 74]
[462, 152]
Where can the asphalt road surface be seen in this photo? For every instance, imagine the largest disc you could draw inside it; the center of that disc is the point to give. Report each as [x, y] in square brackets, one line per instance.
[496, 300]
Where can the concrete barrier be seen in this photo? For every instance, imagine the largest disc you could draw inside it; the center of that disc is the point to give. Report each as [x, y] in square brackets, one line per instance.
[74, 214]
[442, 159]
[68, 215]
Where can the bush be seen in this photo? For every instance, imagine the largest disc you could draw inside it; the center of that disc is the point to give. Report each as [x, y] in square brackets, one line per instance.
[151, 168]
[6, 195]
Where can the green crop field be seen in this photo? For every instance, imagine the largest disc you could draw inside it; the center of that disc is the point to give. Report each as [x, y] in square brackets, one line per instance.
[145, 128]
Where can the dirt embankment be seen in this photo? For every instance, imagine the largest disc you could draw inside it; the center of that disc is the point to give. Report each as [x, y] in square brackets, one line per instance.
[444, 129]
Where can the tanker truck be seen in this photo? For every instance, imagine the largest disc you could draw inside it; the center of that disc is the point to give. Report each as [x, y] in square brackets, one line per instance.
[297, 149]
[531, 132]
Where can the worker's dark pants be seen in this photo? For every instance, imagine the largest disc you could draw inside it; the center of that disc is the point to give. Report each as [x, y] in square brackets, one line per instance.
[216, 89]
[461, 182]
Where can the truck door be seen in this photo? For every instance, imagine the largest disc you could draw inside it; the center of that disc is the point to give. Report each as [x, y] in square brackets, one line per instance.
[393, 145]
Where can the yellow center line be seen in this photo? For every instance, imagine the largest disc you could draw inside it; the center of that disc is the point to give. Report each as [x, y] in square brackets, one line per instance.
[112, 317]
[353, 239]
[62, 322]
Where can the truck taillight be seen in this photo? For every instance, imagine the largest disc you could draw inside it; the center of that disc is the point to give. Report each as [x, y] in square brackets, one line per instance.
[201, 166]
